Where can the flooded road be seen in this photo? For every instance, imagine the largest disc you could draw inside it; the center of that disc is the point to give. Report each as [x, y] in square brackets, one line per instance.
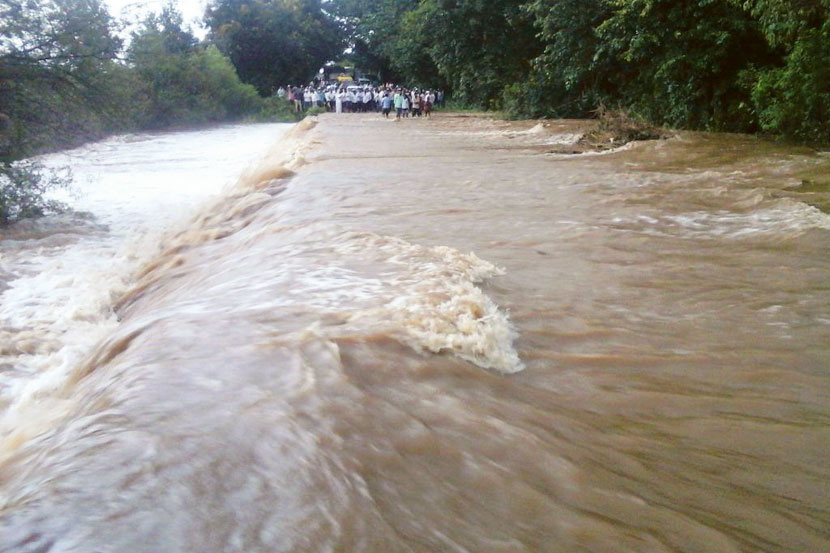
[444, 336]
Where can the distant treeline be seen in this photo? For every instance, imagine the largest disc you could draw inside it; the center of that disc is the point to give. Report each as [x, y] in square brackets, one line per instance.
[731, 65]
[735, 65]
[66, 77]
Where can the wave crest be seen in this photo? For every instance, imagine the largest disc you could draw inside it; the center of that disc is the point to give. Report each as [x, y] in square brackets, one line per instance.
[438, 305]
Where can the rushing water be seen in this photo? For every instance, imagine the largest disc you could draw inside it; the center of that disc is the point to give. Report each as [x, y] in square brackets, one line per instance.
[59, 276]
[443, 336]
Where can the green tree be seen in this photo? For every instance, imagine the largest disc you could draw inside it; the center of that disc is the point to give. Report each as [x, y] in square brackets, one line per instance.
[180, 82]
[678, 62]
[52, 56]
[274, 42]
[383, 39]
[569, 78]
[792, 98]
[478, 46]
[24, 188]
[55, 57]
[473, 47]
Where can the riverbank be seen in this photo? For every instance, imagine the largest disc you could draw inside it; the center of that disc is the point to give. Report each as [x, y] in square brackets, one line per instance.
[444, 334]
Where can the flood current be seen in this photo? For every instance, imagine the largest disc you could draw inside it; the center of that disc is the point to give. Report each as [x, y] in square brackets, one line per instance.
[425, 336]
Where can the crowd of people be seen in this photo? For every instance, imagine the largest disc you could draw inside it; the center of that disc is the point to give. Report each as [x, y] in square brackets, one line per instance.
[386, 100]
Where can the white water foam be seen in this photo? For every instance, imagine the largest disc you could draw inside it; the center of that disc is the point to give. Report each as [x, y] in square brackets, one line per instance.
[58, 303]
[437, 303]
[784, 218]
[428, 298]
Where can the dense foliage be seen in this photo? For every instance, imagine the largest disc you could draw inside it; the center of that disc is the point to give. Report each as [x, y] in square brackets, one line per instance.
[478, 46]
[743, 65]
[385, 40]
[792, 96]
[274, 43]
[23, 190]
[180, 81]
[54, 58]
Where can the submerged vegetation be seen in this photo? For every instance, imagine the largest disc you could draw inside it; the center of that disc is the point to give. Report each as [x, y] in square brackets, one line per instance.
[617, 127]
[23, 190]
[68, 76]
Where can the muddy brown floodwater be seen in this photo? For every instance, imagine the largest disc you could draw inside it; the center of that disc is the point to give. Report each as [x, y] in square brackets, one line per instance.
[441, 335]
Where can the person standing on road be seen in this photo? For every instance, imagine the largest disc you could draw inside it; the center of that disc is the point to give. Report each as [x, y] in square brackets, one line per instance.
[398, 104]
[298, 99]
[367, 100]
[358, 101]
[338, 101]
[308, 98]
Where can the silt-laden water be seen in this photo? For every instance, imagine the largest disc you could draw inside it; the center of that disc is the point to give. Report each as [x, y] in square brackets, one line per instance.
[442, 335]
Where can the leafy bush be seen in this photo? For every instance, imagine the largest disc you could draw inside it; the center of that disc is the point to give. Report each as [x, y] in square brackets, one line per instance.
[452, 103]
[275, 109]
[227, 96]
[535, 99]
[794, 100]
[314, 110]
[54, 60]
[24, 187]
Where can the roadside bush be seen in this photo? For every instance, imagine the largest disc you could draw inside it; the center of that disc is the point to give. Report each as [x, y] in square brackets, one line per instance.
[280, 110]
[531, 99]
[277, 110]
[455, 104]
[314, 110]
[794, 100]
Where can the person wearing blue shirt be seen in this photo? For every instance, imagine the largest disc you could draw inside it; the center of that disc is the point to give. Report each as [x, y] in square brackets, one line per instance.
[386, 103]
